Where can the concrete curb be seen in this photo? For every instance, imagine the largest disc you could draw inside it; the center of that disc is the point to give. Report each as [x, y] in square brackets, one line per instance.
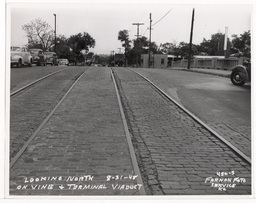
[204, 72]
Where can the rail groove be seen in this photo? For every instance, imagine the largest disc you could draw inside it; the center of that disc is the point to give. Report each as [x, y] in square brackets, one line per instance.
[128, 138]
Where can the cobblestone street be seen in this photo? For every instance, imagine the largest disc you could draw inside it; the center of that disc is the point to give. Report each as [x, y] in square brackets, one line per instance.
[83, 150]
[28, 110]
[236, 128]
[177, 155]
[85, 136]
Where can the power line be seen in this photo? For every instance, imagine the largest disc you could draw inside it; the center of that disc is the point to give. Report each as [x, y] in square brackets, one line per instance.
[145, 32]
[157, 21]
[162, 17]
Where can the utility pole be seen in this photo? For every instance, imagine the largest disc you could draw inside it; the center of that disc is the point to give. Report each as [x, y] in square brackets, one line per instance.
[226, 42]
[137, 48]
[55, 32]
[149, 46]
[191, 36]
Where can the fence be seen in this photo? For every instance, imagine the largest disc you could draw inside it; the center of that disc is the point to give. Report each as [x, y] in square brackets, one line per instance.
[213, 63]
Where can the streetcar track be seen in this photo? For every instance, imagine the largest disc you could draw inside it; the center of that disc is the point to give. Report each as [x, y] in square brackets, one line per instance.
[128, 138]
[34, 82]
[26, 144]
[133, 154]
[136, 140]
[127, 135]
[213, 132]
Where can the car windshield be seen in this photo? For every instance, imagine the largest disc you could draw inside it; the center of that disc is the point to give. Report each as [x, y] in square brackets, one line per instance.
[15, 48]
[49, 54]
[34, 51]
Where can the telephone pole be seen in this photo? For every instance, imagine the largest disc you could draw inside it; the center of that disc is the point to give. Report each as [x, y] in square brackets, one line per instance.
[191, 36]
[137, 47]
[226, 42]
[55, 32]
[149, 46]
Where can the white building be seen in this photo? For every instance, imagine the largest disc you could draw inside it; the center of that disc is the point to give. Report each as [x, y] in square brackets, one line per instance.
[156, 61]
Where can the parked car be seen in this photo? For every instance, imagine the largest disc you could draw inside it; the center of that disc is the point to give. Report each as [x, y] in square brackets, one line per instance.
[38, 56]
[63, 62]
[20, 56]
[51, 58]
[241, 74]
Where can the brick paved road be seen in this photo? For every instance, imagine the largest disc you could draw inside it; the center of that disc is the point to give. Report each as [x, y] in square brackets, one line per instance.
[177, 156]
[84, 137]
[232, 125]
[25, 75]
[29, 108]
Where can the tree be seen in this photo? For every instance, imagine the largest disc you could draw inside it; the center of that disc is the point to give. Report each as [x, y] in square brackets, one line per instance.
[183, 50]
[62, 49]
[242, 45]
[168, 48]
[140, 46]
[79, 45]
[214, 46]
[123, 36]
[154, 48]
[39, 33]
[103, 59]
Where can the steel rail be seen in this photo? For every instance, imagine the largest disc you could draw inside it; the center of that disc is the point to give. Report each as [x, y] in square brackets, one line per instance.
[36, 81]
[16, 157]
[128, 138]
[217, 135]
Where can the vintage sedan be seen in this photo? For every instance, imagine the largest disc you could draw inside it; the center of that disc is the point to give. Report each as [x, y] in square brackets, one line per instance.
[64, 62]
[38, 56]
[51, 58]
[20, 56]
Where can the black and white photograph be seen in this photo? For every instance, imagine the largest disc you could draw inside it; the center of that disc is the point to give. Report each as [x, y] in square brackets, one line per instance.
[129, 99]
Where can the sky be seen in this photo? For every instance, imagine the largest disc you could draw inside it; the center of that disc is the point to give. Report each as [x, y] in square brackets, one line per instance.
[103, 21]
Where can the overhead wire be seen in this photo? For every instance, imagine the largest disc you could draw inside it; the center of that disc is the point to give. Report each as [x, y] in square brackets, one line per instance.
[158, 21]
[162, 17]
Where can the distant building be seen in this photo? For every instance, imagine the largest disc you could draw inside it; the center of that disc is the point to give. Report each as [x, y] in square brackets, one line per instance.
[156, 61]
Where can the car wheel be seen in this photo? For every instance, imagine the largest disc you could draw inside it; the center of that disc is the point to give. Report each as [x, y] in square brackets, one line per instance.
[30, 63]
[19, 63]
[236, 79]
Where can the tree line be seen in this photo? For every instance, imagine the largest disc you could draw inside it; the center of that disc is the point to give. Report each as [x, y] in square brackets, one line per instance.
[238, 46]
[76, 47]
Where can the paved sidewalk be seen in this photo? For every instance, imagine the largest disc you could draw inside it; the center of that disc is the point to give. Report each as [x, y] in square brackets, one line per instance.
[222, 73]
[82, 149]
